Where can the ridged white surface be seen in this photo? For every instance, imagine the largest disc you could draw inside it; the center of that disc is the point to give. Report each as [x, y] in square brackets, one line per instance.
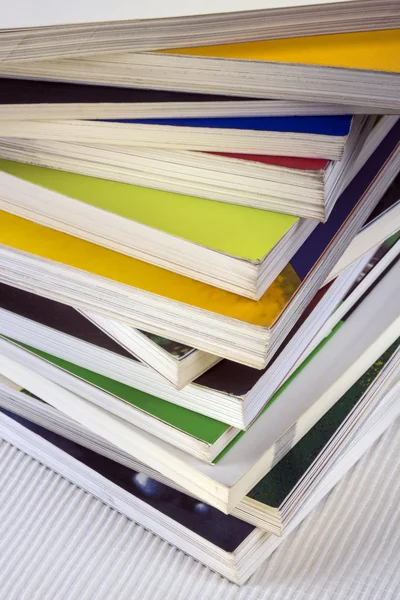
[58, 542]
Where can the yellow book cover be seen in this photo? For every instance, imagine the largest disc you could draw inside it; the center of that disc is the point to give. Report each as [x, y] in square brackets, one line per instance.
[370, 50]
[52, 245]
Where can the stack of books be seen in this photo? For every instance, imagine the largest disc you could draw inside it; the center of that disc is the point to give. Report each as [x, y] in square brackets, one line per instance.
[199, 244]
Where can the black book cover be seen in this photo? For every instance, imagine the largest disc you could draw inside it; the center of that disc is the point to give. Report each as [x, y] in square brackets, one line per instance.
[25, 91]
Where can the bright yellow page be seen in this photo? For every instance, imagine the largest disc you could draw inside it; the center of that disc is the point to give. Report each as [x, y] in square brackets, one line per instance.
[236, 230]
[47, 243]
[372, 50]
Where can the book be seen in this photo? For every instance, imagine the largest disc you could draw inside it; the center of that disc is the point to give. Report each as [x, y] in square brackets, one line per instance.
[305, 136]
[189, 235]
[225, 543]
[90, 277]
[275, 498]
[196, 434]
[343, 358]
[349, 68]
[229, 393]
[87, 28]
[179, 364]
[115, 358]
[371, 235]
[376, 265]
[304, 188]
[48, 100]
[192, 236]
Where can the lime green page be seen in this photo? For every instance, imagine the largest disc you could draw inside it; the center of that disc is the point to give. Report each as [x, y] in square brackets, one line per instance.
[198, 426]
[236, 230]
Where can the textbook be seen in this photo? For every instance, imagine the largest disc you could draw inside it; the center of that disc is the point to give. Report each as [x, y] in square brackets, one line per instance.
[350, 68]
[225, 543]
[304, 137]
[343, 358]
[86, 27]
[89, 277]
[304, 188]
[27, 99]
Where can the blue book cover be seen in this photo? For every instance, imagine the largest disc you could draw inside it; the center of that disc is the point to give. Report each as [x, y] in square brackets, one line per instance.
[318, 241]
[336, 125]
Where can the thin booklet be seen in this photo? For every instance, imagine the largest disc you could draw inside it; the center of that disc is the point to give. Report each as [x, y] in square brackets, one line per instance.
[48, 100]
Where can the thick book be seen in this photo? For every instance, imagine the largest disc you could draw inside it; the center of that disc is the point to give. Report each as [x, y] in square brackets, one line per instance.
[301, 187]
[342, 359]
[80, 273]
[305, 137]
[86, 27]
[352, 68]
[224, 543]
[225, 393]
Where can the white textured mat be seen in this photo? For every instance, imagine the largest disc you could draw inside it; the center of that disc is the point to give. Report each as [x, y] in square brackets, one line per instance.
[58, 542]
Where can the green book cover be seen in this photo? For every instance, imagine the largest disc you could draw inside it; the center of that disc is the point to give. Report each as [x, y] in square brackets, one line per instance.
[198, 426]
[282, 479]
[175, 349]
[282, 388]
[240, 231]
